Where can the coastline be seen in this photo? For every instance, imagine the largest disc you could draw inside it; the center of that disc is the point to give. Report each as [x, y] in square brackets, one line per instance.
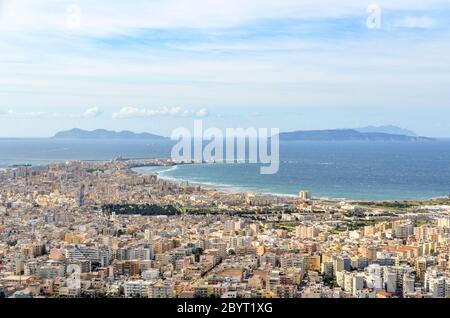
[140, 168]
[213, 186]
[233, 189]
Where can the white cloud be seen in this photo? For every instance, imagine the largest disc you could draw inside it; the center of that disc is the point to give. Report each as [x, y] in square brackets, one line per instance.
[92, 113]
[114, 16]
[133, 112]
[416, 23]
[256, 70]
[202, 113]
[13, 113]
[37, 114]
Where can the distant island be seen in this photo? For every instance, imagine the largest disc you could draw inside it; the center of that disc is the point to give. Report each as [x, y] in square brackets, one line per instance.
[105, 134]
[311, 135]
[346, 135]
[388, 129]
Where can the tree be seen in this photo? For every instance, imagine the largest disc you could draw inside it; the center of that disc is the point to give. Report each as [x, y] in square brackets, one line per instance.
[197, 253]
[95, 265]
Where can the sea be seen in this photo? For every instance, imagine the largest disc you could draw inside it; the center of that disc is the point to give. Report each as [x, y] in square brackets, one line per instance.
[356, 170]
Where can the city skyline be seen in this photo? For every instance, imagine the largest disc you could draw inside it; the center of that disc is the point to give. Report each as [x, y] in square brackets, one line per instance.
[105, 229]
[158, 65]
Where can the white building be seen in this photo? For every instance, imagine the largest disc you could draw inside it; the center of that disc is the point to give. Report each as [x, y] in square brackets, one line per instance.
[150, 274]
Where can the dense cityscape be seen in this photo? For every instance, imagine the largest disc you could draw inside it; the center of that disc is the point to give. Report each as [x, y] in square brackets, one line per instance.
[100, 229]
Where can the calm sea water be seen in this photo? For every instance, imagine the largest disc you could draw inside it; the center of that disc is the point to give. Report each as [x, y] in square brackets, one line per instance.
[43, 151]
[351, 170]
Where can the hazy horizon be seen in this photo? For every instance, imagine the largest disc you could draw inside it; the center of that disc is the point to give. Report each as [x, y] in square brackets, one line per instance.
[168, 135]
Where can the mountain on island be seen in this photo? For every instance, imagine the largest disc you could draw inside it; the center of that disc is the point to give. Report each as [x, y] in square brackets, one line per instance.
[389, 129]
[105, 134]
[346, 135]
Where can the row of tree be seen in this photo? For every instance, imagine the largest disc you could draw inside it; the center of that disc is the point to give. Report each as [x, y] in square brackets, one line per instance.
[140, 209]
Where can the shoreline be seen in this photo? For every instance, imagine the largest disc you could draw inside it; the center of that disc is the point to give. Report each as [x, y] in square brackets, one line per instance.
[231, 189]
[227, 188]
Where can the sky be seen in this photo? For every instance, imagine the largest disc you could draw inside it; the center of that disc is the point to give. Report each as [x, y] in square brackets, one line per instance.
[156, 65]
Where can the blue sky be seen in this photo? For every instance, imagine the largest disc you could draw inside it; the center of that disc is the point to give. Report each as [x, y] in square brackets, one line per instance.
[157, 65]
